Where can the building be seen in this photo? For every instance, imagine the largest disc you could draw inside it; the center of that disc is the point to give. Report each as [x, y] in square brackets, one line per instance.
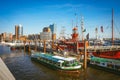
[53, 30]
[34, 36]
[21, 30]
[6, 37]
[10, 36]
[45, 36]
[2, 36]
[46, 29]
[18, 31]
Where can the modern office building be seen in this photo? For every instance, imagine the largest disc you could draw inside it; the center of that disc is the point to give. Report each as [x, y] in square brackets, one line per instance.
[18, 31]
[21, 29]
[53, 29]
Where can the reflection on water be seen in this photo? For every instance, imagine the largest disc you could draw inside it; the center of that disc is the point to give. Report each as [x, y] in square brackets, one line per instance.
[23, 68]
[69, 75]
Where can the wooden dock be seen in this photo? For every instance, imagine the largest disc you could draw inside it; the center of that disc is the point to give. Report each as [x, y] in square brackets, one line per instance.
[5, 74]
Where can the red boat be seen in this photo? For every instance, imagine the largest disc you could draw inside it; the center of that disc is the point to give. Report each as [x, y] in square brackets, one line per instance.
[72, 44]
[112, 51]
[77, 46]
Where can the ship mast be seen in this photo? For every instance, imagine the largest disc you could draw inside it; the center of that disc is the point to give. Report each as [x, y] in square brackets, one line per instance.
[112, 27]
[82, 28]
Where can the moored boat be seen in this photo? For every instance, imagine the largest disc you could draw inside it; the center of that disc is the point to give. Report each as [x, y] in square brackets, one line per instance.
[98, 49]
[111, 52]
[110, 65]
[57, 62]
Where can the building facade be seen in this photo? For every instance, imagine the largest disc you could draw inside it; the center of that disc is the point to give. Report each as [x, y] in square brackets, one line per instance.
[46, 29]
[53, 29]
[45, 36]
[34, 36]
[6, 37]
[18, 31]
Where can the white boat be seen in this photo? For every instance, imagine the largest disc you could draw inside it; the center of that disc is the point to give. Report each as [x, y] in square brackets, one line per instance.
[57, 62]
[15, 43]
[111, 65]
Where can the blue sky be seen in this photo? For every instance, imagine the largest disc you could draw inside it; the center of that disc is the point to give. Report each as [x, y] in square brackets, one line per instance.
[36, 14]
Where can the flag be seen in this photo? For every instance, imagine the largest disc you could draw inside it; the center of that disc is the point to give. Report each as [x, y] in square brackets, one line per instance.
[84, 30]
[87, 36]
[101, 28]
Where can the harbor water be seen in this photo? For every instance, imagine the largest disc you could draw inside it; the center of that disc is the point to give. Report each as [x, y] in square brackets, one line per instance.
[21, 66]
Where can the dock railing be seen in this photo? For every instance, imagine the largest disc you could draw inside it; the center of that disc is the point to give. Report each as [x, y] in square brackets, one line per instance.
[102, 48]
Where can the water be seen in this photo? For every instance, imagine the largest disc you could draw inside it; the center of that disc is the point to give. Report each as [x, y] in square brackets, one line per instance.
[23, 68]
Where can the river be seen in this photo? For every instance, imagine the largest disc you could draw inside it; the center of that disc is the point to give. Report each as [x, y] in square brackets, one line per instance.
[22, 68]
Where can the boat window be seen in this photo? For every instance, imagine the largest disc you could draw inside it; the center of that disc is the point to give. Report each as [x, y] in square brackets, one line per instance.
[117, 67]
[57, 64]
[97, 62]
[50, 61]
[65, 63]
[92, 61]
[103, 63]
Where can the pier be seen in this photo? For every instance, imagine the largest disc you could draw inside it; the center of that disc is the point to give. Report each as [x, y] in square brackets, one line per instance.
[5, 74]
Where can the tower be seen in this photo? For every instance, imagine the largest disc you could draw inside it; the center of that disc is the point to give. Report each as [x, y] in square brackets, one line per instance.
[16, 32]
[53, 30]
[21, 30]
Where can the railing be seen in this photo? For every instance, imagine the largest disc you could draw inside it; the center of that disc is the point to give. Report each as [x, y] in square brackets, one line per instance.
[102, 48]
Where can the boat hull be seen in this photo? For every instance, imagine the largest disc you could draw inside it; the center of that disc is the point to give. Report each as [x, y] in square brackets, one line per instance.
[110, 65]
[108, 54]
[104, 68]
[55, 67]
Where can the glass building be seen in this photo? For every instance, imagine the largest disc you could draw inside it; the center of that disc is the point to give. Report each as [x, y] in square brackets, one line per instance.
[53, 28]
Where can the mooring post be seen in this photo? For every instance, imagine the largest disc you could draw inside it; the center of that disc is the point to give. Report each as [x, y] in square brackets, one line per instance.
[44, 46]
[29, 47]
[85, 55]
[35, 45]
[77, 47]
[39, 43]
[24, 46]
[52, 44]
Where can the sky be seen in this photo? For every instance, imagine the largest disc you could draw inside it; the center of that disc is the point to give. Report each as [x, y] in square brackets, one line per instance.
[34, 15]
